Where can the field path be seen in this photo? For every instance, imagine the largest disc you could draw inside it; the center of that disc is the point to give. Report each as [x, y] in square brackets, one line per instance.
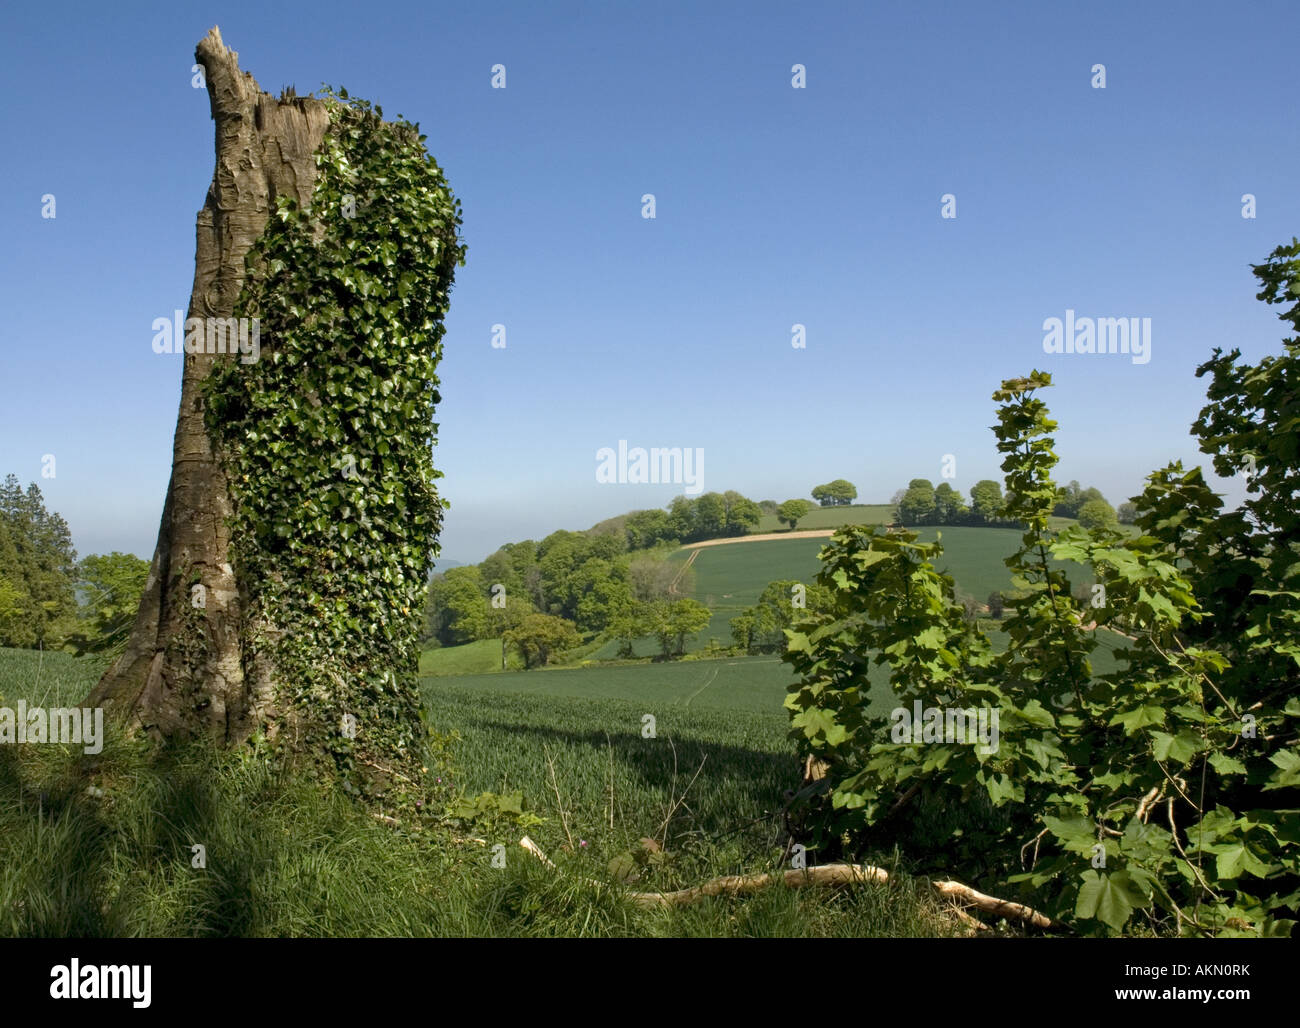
[707, 682]
[811, 533]
[672, 586]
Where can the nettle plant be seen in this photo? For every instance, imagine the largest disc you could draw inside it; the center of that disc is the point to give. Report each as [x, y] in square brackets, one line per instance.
[327, 439]
[1161, 796]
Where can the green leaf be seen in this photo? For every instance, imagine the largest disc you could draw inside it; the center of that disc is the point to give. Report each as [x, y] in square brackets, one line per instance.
[1109, 898]
[1180, 748]
[1079, 830]
[1288, 773]
[1132, 720]
[1226, 764]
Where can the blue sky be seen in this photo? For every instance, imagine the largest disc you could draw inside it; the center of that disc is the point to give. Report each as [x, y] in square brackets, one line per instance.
[819, 206]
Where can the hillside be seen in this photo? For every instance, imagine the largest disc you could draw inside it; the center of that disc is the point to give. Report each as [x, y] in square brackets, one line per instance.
[729, 578]
[833, 517]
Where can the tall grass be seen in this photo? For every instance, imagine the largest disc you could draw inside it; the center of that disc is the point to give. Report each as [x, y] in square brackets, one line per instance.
[103, 845]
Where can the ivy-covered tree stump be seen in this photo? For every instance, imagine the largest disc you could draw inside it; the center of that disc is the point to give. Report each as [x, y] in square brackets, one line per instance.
[301, 520]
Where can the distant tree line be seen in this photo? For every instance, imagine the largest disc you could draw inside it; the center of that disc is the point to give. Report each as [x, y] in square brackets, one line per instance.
[689, 520]
[545, 598]
[923, 503]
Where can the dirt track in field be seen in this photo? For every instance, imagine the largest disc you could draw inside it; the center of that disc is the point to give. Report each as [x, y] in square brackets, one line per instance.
[811, 533]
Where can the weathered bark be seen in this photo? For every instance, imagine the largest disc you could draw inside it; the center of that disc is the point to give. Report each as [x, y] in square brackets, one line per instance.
[186, 670]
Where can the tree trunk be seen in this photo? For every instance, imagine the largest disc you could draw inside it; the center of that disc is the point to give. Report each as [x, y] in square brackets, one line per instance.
[185, 670]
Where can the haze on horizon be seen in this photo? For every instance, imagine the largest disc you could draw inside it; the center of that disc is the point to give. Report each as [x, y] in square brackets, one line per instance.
[775, 207]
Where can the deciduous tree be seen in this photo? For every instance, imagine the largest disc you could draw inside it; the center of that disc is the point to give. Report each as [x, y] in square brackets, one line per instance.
[790, 512]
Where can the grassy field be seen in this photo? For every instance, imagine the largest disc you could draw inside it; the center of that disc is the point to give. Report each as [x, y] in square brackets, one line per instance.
[729, 578]
[833, 517]
[46, 679]
[755, 684]
[974, 557]
[476, 658]
[726, 683]
[102, 846]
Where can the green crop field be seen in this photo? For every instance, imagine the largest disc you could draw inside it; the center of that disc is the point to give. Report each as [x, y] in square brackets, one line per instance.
[743, 756]
[729, 577]
[974, 557]
[47, 679]
[832, 517]
[708, 786]
[732, 683]
[726, 683]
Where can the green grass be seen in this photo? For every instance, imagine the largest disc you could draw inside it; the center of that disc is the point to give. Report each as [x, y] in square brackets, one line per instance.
[734, 683]
[284, 858]
[612, 786]
[729, 578]
[47, 679]
[974, 557]
[755, 684]
[832, 517]
[476, 658]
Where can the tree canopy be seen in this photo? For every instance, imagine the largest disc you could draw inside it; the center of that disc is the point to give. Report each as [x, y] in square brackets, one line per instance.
[838, 493]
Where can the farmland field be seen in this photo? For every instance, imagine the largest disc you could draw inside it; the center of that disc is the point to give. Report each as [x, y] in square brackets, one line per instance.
[47, 679]
[474, 658]
[708, 787]
[974, 557]
[732, 683]
[729, 578]
[833, 517]
[743, 756]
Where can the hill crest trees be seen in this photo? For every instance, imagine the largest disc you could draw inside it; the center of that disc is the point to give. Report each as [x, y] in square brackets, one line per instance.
[839, 493]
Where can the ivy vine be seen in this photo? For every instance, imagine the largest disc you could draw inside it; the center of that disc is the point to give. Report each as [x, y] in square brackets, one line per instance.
[327, 439]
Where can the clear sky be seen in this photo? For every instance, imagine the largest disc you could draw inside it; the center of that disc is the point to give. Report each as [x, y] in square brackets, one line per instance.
[774, 206]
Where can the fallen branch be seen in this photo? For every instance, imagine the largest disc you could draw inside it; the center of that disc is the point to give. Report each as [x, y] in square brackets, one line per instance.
[826, 874]
[735, 885]
[973, 923]
[536, 851]
[993, 905]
